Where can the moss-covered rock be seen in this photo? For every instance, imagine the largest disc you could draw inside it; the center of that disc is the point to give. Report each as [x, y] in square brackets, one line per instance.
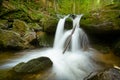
[102, 26]
[102, 23]
[44, 39]
[35, 69]
[34, 27]
[49, 24]
[105, 19]
[10, 39]
[28, 37]
[16, 14]
[3, 24]
[20, 27]
[34, 65]
[11, 10]
[6, 7]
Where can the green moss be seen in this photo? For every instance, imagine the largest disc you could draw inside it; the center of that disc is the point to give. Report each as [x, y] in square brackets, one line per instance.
[34, 26]
[44, 39]
[20, 27]
[3, 24]
[86, 19]
[49, 23]
[10, 39]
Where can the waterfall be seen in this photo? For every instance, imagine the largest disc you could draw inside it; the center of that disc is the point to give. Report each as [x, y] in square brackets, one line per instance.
[59, 31]
[71, 66]
[79, 39]
[75, 64]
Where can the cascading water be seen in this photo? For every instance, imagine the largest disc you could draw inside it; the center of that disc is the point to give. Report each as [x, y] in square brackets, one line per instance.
[59, 31]
[76, 63]
[79, 38]
[73, 66]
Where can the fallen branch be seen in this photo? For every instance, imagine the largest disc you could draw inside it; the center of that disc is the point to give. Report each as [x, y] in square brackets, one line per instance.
[69, 39]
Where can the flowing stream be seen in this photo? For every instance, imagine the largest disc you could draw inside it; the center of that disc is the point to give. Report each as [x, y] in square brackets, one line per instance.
[77, 61]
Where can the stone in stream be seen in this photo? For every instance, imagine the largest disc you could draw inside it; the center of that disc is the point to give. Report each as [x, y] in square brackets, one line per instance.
[110, 74]
[35, 65]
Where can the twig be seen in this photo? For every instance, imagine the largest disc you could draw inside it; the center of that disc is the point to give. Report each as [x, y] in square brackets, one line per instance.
[69, 39]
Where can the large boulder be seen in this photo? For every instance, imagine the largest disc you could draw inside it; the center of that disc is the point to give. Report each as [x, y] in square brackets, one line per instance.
[110, 74]
[35, 65]
[20, 27]
[35, 69]
[10, 39]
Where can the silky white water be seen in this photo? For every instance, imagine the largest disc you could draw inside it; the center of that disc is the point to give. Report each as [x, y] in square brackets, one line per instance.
[75, 64]
[59, 31]
[79, 38]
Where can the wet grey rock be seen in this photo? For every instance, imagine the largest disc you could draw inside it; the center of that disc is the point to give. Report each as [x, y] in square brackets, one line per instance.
[110, 74]
[33, 66]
